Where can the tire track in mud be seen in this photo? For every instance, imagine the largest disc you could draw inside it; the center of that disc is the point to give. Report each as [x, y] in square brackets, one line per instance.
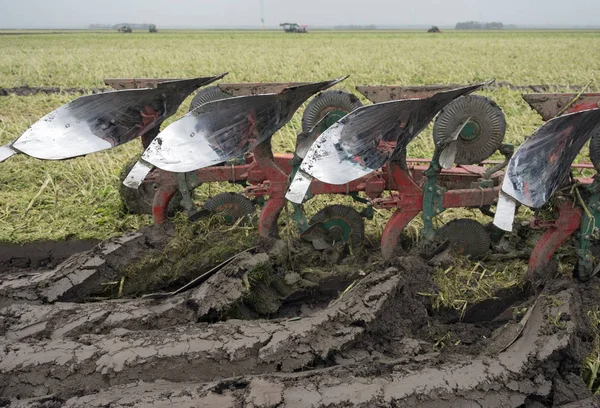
[26, 90]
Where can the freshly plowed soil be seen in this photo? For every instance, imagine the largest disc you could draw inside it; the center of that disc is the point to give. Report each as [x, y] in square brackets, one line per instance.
[261, 333]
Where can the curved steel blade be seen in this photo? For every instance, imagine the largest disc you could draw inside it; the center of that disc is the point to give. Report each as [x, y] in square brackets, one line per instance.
[98, 122]
[221, 130]
[6, 151]
[543, 161]
[367, 138]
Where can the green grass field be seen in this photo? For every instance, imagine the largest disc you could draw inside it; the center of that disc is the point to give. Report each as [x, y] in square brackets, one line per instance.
[79, 198]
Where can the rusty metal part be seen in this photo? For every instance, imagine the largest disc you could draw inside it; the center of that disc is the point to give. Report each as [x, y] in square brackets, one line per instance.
[382, 93]
[550, 104]
[233, 89]
[467, 237]
[257, 88]
[136, 83]
[222, 91]
[483, 133]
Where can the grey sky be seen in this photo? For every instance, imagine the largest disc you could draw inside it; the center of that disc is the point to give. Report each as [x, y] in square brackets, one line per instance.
[213, 13]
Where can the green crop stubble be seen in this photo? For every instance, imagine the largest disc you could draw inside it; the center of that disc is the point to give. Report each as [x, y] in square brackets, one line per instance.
[53, 200]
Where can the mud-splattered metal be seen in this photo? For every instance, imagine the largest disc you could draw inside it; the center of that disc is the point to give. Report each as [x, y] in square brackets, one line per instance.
[98, 122]
[224, 129]
[543, 161]
[551, 105]
[368, 138]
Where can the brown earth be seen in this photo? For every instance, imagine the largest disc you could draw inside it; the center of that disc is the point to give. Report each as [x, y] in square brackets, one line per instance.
[340, 331]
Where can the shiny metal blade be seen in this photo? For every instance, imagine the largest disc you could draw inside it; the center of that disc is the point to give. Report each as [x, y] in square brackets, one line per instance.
[448, 155]
[98, 122]
[137, 174]
[367, 138]
[298, 188]
[221, 130]
[6, 151]
[505, 212]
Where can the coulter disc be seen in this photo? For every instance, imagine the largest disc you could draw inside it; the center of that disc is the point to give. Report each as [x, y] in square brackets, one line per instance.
[212, 93]
[232, 206]
[467, 237]
[339, 223]
[336, 103]
[482, 135]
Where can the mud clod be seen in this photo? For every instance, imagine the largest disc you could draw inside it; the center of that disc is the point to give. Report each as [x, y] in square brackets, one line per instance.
[82, 273]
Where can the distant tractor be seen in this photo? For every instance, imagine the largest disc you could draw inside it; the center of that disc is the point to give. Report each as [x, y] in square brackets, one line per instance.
[152, 28]
[294, 28]
[125, 29]
[434, 29]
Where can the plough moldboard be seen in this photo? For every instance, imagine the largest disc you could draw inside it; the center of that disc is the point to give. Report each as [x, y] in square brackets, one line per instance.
[344, 148]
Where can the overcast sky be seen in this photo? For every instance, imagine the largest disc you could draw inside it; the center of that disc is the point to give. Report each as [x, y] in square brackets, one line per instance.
[214, 13]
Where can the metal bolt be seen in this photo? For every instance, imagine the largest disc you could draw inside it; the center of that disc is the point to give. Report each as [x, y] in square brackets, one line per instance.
[587, 237]
[430, 189]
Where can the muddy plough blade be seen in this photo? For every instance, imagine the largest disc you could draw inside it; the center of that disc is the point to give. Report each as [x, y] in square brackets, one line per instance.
[222, 130]
[538, 174]
[543, 162]
[366, 139]
[98, 122]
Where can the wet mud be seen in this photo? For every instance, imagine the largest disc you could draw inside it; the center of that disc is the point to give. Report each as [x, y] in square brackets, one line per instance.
[340, 331]
[44, 254]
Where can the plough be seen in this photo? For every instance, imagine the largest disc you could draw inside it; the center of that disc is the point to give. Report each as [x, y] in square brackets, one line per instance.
[268, 174]
[540, 173]
[344, 148]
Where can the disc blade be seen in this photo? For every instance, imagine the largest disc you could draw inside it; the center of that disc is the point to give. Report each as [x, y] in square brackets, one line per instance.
[98, 122]
[225, 129]
[543, 161]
